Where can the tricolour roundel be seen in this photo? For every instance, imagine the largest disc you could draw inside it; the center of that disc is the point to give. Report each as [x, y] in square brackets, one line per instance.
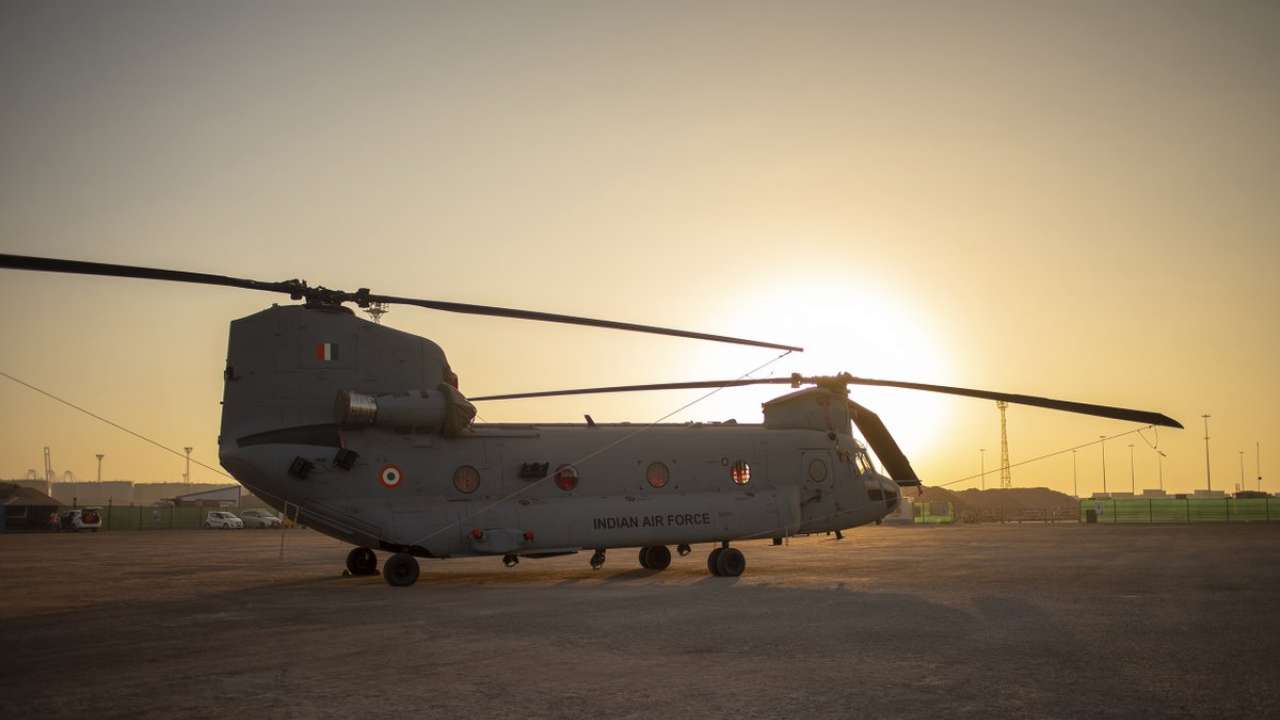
[390, 476]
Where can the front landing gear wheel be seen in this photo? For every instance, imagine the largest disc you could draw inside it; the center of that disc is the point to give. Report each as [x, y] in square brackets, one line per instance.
[362, 561]
[730, 562]
[597, 560]
[400, 570]
[655, 557]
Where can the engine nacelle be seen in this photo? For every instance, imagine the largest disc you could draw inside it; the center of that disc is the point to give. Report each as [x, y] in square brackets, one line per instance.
[443, 410]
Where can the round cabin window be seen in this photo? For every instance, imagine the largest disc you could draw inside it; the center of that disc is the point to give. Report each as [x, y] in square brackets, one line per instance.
[817, 470]
[466, 479]
[657, 475]
[566, 477]
[740, 473]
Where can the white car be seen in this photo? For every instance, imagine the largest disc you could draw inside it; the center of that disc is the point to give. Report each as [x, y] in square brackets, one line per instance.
[82, 519]
[222, 520]
[261, 519]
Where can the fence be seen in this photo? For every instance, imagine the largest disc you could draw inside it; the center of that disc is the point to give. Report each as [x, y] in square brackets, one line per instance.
[938, 513]
[150, 517]
[1019, 515]
[1180, 510]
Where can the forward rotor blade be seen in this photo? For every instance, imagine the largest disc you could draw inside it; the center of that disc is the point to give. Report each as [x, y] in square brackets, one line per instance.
[81, 267]
[638, 388]
[573, 320]
[883, 445]
[1107, 411]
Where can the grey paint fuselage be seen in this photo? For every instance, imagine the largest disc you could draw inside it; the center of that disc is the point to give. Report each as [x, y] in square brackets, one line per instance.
[286, 364]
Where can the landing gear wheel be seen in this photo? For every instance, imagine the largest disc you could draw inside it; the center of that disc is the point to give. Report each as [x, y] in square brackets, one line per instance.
[400, 570]
[713, 561]
[644, 558]
[659, 557]
[730, 562]
[683, 549]
[362, 561]
[597, 560]
[656, 557]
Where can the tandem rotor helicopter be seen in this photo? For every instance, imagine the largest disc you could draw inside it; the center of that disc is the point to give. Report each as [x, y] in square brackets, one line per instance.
[361, 432]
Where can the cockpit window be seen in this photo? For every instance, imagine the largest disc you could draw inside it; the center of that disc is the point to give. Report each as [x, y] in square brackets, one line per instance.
[863, 461]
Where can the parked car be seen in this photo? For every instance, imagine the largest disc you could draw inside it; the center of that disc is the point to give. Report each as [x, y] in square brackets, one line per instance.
[223, 521]
[82, 519]
[260, 519]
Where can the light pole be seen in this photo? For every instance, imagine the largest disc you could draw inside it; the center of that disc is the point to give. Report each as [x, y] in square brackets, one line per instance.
[1257, 449]
[1160, 456]
[100, 456]
[1242, 470]
[982, 463]
[1208, 478]
[186, 476]
[1133, 484]
[1075, 484]
[1102, 440]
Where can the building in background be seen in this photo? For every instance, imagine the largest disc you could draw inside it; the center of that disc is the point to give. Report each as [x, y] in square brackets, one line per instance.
[25, 509]
[223, 497]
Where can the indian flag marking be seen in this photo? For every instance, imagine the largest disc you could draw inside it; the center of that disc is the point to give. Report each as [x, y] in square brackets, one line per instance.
[390, 476]
[327, 352]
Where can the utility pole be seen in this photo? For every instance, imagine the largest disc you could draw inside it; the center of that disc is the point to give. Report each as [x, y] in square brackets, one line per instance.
[982, 463]
[48, 472]
[1133, 484]
[1208, 478]
[186, 476]
[100, 456]
[1103, 442]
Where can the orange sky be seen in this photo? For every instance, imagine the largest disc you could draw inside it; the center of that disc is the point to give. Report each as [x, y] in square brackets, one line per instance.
[1078, 200]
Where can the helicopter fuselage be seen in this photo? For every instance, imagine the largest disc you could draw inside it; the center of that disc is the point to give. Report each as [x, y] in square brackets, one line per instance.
[357, 430]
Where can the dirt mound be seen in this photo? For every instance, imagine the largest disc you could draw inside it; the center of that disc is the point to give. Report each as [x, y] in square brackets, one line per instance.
[1006, 502]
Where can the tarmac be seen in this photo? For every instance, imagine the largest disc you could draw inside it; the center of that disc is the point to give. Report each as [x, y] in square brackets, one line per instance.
[985, 621]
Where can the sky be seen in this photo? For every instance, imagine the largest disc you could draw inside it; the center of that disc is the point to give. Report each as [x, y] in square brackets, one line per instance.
[1078, 200]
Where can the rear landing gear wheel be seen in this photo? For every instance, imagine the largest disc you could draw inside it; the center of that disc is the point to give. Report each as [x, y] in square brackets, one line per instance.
[362, 561]
[655, 557]
[400, 570]
[713, 561]
[730, 562]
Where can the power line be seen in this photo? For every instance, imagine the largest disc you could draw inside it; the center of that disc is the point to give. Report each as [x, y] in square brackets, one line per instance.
[113, 424]
[1064, 451]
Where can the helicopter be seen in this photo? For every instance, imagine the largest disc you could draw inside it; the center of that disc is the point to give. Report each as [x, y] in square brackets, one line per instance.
[361, 432]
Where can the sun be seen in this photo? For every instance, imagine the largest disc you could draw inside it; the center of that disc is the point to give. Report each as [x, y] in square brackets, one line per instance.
[869, 332]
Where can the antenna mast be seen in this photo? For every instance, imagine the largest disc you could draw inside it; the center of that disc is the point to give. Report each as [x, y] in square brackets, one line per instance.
[1005, 480]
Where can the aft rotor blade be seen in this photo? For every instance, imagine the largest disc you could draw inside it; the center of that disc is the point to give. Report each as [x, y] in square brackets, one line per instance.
[883, 445]
[639, 388]
[573, 320]
[1107, 411]
[298, 289]
[81, 267]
